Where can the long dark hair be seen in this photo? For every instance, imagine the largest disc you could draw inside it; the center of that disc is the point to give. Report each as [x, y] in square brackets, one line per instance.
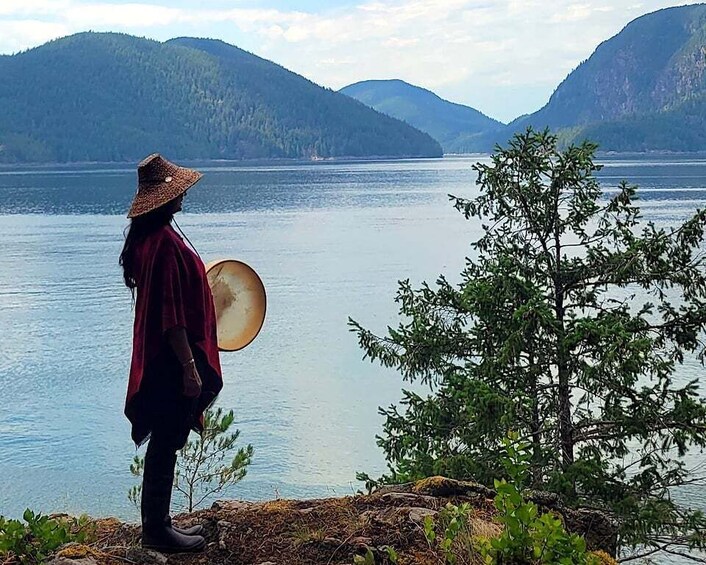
[140, 227]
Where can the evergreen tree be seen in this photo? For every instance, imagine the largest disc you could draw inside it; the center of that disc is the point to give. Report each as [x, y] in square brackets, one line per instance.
[114, 97]
[571, 325]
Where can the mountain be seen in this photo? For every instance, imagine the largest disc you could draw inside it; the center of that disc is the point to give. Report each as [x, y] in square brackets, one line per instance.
[642, 90]
[458, 128]
[115, 97]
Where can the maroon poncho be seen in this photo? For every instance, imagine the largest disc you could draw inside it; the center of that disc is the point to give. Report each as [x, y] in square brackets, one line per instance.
[172, 291]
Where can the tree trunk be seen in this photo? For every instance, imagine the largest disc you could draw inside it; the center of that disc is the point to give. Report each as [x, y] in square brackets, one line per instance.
[566, 441]
[535, 426]
[565, 425]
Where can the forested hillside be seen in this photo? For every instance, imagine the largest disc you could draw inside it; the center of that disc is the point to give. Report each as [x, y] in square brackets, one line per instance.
[114, 97]
[458, 128]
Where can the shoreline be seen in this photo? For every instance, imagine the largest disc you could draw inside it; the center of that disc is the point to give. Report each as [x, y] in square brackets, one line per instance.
[223, 162]
[277, 162]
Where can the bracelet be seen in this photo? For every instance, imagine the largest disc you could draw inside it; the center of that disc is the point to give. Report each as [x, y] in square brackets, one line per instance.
[189, 362]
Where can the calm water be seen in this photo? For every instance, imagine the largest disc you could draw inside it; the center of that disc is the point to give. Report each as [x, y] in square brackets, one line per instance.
[330, 241]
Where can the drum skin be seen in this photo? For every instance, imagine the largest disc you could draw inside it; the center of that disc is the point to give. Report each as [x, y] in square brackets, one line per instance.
[240, 302]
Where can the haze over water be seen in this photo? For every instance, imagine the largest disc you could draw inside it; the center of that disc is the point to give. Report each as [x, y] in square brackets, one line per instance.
[329, 241]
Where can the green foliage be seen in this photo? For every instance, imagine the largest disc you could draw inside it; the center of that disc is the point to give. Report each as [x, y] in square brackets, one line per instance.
[571, 324]
[187, 98]
[370, 484]
[205, 466]
[39, 536]
[390, 556]
[528, 536]
[454, 537]
[678, 128]
[367, 559]
[304, 534]
[136, 468]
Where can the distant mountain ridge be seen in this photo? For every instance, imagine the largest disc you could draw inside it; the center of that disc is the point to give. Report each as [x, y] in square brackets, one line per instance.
[115, 97]
[458, 128]
[641, 90]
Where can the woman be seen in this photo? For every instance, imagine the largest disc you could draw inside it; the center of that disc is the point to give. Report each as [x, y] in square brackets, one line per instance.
[175, 372]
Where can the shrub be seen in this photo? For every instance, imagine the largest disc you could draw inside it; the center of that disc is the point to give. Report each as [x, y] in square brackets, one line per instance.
[204, 466]
[35, 539]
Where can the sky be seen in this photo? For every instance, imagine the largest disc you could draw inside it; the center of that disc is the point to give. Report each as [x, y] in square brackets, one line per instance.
[503, 57]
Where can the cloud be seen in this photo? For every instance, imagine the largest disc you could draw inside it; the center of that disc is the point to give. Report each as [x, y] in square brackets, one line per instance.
[135, 16]
[399, 42]
[32, 8]
[21, 34]
[455, 47]
[578, 12]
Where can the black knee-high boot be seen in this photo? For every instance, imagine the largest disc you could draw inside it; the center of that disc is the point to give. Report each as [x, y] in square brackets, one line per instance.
[158, 476]
[169, 470]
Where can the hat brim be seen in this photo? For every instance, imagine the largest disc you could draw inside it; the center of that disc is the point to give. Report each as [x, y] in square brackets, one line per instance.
[153, 196]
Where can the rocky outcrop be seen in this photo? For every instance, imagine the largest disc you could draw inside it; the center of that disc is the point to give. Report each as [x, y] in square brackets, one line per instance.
[331, 531]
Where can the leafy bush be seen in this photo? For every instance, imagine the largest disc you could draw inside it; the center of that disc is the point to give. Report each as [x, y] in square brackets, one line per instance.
[39, 536]
[528, 535]
[455, 538]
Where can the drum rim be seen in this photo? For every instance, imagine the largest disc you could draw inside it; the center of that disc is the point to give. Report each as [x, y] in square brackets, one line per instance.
[210, 265]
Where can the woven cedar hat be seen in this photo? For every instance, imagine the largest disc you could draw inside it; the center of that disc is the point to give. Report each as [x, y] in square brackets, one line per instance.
[158, 182]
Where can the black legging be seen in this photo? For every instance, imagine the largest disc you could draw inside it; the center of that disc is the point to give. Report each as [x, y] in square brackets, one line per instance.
[158, 476]
[171, 417]
[168, 436]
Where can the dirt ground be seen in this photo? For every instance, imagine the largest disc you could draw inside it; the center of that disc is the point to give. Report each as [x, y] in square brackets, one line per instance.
[386, 526]
[292, 532]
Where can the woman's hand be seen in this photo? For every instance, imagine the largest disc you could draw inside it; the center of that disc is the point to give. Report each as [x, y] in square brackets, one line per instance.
[191, 380]
[179, 343]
